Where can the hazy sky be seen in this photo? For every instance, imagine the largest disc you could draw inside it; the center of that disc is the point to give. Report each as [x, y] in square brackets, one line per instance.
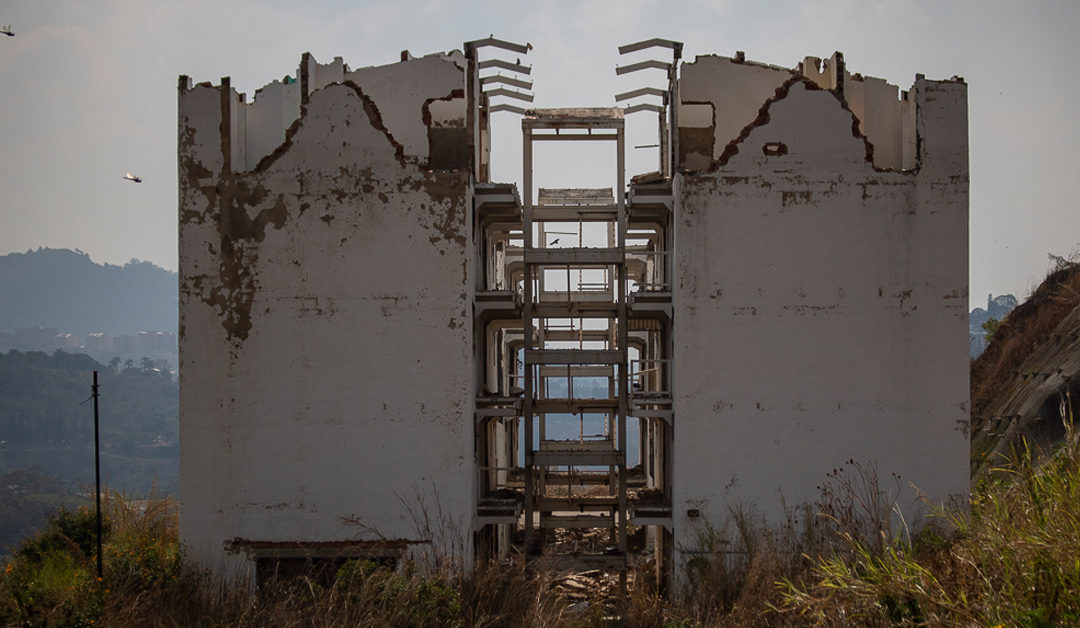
[88, 92]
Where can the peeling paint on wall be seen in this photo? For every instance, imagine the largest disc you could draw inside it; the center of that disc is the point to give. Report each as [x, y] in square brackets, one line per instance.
[847, 268]
[882, 115]
[327, 294]
[339, 257]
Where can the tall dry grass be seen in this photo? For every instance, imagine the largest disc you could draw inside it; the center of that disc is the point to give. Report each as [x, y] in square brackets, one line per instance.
[1011, 558]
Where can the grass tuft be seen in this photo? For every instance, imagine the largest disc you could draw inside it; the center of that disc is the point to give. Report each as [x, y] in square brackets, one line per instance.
[1008, 558]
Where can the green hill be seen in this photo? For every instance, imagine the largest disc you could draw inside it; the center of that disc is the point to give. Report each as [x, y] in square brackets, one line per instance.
[46, 421]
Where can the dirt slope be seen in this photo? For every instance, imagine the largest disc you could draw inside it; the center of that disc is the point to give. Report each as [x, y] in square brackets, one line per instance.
[1031, 366]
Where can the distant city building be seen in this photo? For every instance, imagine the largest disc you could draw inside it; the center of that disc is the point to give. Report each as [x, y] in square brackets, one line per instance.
[996, 308]
[36, 339]
[67, 342]
[155, 342]
[126, 346]
[98, 343]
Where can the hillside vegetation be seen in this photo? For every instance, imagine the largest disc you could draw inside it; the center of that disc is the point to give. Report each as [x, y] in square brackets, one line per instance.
[47, 433]
[1009, 559]
[47, 420]
[1030, 365]
[1018, 334]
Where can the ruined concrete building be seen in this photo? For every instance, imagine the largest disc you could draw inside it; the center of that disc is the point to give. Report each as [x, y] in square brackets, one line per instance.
[383, 349]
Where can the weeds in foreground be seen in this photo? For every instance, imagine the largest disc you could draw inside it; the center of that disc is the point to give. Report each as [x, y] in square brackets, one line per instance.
[1010, 558]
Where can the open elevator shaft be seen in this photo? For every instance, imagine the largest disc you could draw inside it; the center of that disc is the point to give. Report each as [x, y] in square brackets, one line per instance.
[575, 354]
[573, 345]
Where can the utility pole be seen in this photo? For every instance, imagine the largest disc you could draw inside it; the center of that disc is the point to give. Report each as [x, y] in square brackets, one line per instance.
[97, 474]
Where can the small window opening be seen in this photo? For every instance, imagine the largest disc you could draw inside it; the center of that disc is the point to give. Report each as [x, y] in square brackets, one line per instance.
[774, 149]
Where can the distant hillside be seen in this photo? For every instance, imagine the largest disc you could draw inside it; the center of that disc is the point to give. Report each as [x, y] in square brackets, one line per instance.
[47, 422]
[66, 290]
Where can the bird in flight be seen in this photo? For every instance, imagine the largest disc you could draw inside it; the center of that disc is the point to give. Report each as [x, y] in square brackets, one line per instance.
[6, 29]
[131, 177]
[554, 242]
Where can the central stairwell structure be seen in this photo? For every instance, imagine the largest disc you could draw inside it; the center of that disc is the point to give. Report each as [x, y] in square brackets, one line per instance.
[573, 322]
[575, 329]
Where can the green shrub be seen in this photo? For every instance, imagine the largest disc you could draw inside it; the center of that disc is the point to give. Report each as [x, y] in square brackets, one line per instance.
[53, 588]
[66, 531]
[1009, 558]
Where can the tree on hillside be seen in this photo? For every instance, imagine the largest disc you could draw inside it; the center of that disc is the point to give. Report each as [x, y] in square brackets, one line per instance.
[45, 420]
[114, 364]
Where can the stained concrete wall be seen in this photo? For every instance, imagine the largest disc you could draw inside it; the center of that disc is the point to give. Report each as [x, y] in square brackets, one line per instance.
[721, 97]
[266, 120]
[718, 97]
[885, 114]
[819, 303]
[324, 314]
[327, 369]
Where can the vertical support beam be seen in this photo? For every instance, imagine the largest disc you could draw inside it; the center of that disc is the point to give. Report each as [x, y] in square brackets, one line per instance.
[527, 309]
[673, 109]
[668, 427]
[623, 336]
[304, 75]
[480, 457]
[472, 118]
[97, 478]
[664, 168]
[225, 92]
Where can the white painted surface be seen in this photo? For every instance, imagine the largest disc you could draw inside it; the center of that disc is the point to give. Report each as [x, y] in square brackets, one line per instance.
[322, 74]
[822, 72]
[884, 113]
[735, 90]
[400, 91]
[881, 115]
[448, 113]
[400, 96]
[820, 308]
[275, 108]
[350, 394]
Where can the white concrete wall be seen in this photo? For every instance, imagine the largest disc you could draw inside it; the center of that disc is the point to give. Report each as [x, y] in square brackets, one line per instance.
[401, 97]
[426, 91]
[733, 91]
[820, 311]
[884, 113]
[275, 108]
[326, 329]
[322, 74]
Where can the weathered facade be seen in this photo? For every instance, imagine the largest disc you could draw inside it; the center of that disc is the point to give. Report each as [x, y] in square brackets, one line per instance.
[372, 330]
[821, 289]
[325, 306]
